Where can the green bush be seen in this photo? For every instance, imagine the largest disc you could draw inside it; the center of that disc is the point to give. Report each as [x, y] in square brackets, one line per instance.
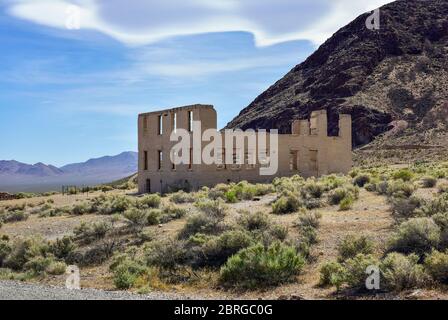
[443, 187]
[213, 208]
[429, 182]
[62, 248]
[254, 221]
[309, 219]
[406, 208]
[308, 235]
[56, 268]
[150, 201]
[286, 204]
[25, 250]
[88, 233]
[314, 189]
[172, 212]
[81, 209]
[417, 235]
[153, 217]
[436, 265]
[136, 219]
[168, 254]
[400, 272]
[353, 245]
[400, 189]
[258, 266]
[182, 197]
[200, 223]
[332, 274]
[126, 272]
[217, 250]
[355, 275]
[15, 216]
[403, 174]
[5, 250]
[347, 203]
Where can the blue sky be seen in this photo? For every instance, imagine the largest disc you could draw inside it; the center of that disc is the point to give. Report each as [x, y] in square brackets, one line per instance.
[70, 95]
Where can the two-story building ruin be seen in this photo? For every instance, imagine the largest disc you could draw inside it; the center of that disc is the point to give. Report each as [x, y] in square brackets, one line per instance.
[307, 151]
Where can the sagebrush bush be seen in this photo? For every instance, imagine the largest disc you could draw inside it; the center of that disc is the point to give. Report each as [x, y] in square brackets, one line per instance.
[136, 219]
[361, 180]
[429, 182]
[417, 235]
[81, 209]
[200, 223]
[182, 197]
[313, 189]
[257, 266]
[347, 203]
[62, 248]
[167, 254]
[405, 208]
[150, 201]
[254, 221]
[332, 274]
[126, 273]
[56, 268]
[436, 265]
[443, 187]
[403, 174]
[215, 209]
[90, 232]
[309, 219]
[400, 189]
[400, 272]
[308, 235]
[14, 216]
[5, 250]
[285, 204]
[435, 206]
[353, 245]
[172, 212]
[355, 274]
[217, 250]
[23, 251]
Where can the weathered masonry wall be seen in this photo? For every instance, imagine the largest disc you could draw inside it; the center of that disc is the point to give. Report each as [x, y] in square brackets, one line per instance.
[308, 151]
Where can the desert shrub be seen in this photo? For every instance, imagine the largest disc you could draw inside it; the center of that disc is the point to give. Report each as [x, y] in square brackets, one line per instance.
[309, 219]
[441, 219]
[313, 203]
[81, 209]
[149, 201]
[401, 272]
[182, 197]
[217, 250]
[263, 189]
[23, 251]
[172, 212]
[371, 187]
[308, 235]
[382, 187]
[88, 233]
[218, 192]
[406, 208]
[38, 264]
[136, 219]
[429, 182]
[168, 255]
[314, 189]
[332, 274]
[435, 206]
[347, 203]
[258, 266]
[353, 245]
[126, 273]
[254, 221]
[285, 204]
[200, 223]
[5, 250]
[403, 174]
[153, 217]
[355, 274]
[337, 195]
[56, 268]
[62, 248]
[400, 189]
[278, 232]
[436, 264]
[443, 187]
[15, 216]
[361, 180]
[417, 235]
[213, 208]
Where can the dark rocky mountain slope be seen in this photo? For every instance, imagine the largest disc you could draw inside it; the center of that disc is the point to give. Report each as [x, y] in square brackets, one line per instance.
[392, 80]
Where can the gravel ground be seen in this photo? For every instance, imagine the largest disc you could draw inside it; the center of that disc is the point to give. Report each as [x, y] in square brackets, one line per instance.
[12, 290]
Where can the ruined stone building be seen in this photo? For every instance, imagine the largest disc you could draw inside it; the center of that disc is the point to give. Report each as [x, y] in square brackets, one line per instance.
[308, 151]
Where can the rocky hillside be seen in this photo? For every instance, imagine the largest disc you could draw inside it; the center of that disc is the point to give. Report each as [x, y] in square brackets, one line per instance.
[392, 80]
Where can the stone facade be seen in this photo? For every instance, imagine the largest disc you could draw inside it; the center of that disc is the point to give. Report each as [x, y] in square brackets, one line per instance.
[308, 151]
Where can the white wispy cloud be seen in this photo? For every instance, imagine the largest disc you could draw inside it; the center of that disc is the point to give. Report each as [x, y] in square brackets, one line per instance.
[142, 22]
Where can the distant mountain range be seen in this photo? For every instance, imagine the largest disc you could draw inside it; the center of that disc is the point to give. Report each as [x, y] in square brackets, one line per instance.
[17, 177]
